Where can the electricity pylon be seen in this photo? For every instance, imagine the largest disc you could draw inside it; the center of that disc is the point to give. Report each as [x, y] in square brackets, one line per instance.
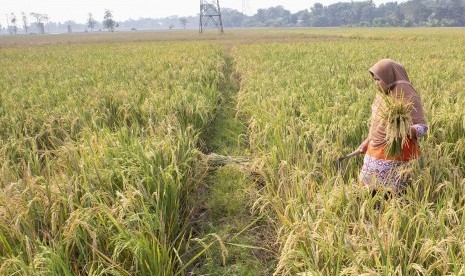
[210, 11]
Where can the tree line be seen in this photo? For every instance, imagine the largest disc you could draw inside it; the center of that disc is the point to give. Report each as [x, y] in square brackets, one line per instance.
[391, 14]
[432, 13]
[14, 25]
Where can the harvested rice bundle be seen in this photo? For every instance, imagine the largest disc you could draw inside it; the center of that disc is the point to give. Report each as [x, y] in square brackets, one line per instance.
[396, 117]
[253, 168]
[217, 160]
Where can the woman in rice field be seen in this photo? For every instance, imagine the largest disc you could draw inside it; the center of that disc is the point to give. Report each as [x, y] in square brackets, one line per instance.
[382, 167]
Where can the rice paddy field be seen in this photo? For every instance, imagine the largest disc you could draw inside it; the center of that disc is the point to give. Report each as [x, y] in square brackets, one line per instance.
[104, 136]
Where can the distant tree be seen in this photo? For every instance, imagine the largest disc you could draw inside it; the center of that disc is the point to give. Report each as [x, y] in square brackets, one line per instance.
[274, 16]
[232, 18]
[171, 26]
[317, 9]
[367, 12]
[420, 11]
[183, 22]
[301, 18]
[390, 12]
[39, 18]
[46, 19]
[317, 16]
[13, 27]
[91, 22]
[341, 14]
[379, 22]
[108, 21]
[449, 12]
[25, 22]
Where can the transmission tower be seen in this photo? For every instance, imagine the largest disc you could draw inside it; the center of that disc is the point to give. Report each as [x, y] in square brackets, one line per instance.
[210, 11]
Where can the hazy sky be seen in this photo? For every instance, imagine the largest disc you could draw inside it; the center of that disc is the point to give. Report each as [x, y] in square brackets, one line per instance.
[77, 10]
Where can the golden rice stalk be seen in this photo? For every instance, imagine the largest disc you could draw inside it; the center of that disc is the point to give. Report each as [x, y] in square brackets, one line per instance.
[396, 118]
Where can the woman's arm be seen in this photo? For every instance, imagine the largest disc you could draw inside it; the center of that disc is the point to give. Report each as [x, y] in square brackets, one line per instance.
[364, 146]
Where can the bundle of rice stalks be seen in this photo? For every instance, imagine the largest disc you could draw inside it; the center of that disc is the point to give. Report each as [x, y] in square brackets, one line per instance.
[253, 168]
[396, 118]
[217, 160]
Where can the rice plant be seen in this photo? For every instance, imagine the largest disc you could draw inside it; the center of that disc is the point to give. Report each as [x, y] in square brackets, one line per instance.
[309, 103]
[96, 154]
[99, 140]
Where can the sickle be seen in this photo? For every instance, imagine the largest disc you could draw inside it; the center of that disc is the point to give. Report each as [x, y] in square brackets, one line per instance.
[339, 161]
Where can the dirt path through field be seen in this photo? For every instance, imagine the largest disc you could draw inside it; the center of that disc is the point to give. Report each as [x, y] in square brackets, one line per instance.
[224, 198]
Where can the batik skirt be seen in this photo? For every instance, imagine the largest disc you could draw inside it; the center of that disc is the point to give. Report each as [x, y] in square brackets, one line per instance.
[391, 172]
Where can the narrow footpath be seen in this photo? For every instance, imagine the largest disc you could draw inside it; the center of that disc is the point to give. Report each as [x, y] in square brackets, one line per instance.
[224, 198]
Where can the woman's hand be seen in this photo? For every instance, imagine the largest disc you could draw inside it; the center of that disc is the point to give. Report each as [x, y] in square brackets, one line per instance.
[413, 133]
[364, 146]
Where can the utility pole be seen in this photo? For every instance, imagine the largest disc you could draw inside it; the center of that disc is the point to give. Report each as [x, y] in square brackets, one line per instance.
[210, 11]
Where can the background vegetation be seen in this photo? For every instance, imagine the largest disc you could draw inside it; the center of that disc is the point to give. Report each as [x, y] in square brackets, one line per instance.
[432, 13]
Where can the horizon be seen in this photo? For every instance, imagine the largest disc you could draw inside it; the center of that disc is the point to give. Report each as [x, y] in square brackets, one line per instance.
[59, 12]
